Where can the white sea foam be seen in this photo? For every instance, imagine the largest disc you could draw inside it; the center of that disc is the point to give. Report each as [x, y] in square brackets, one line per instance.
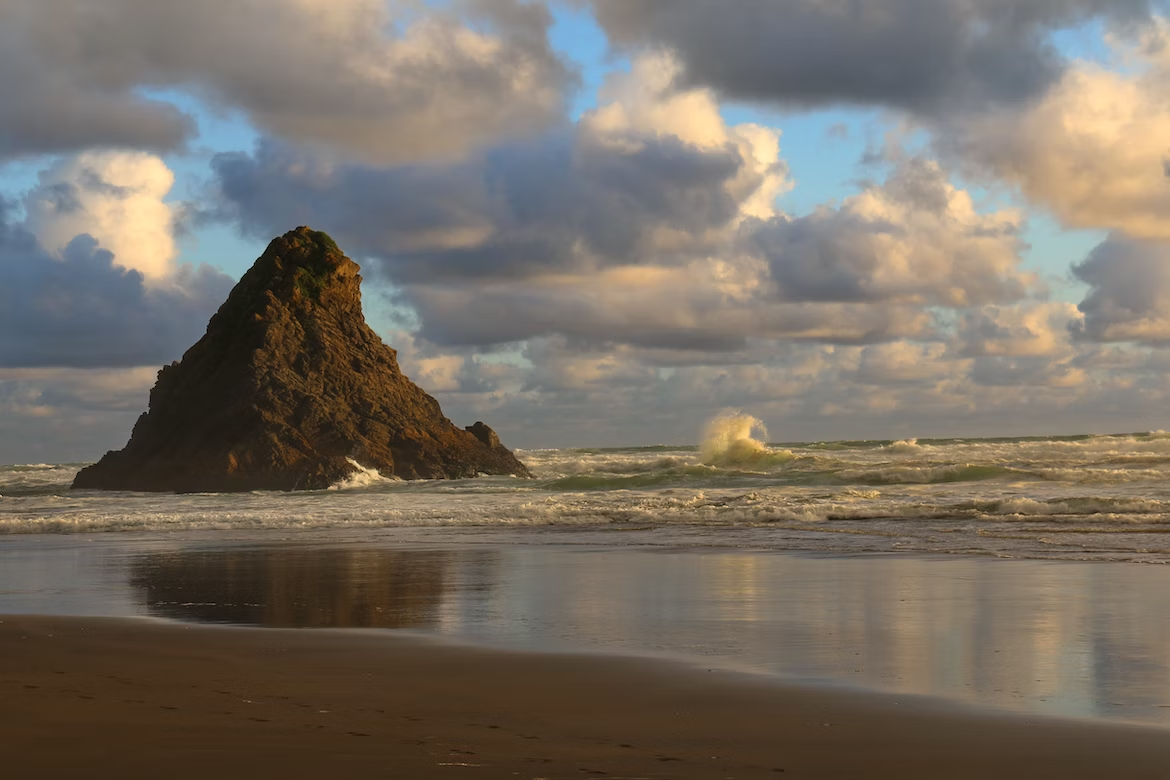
[362, 477]
[905, 445]
[1042, 497]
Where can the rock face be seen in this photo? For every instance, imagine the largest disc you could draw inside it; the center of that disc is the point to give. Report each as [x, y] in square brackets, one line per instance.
[288, 390]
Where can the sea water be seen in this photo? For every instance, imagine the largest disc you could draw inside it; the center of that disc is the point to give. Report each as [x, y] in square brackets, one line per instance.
[1103, 497]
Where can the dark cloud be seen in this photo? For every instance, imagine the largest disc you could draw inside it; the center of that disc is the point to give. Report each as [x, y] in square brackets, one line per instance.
[923, 55]
[339, 74]
[561, 203]
[82, 311]
[649, 224]
[53, 105]
[617, 238]
[1023, 371]
[1129, 292]
[637, 239]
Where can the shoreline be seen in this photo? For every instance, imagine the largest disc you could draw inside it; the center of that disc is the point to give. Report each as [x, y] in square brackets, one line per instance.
[1050, 639]
[131, 695]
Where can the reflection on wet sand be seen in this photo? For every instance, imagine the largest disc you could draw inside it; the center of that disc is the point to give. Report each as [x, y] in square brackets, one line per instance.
[301, 588]
[1080, 639]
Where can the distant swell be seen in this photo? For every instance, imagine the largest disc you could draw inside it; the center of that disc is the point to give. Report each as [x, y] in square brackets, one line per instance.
[909, 475]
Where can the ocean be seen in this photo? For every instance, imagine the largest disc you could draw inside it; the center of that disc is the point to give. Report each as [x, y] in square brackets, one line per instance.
[994, 573]
[1099, 497]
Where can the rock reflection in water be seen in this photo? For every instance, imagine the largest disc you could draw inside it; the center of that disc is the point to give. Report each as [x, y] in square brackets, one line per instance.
[301, 588]
[1079, 639]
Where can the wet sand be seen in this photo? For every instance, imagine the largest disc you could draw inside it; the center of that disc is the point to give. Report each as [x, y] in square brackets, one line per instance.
[1056, 639]
[124, 698]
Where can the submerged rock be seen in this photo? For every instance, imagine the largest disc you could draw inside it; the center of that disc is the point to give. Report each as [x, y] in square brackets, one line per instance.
[288, 390]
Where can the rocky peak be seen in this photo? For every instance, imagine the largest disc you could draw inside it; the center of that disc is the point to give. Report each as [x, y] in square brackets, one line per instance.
[288, 390]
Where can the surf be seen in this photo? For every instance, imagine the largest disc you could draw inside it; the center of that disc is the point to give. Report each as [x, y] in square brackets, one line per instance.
[729, 441]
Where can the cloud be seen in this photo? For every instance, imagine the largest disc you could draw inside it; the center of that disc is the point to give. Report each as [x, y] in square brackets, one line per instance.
[115, 197]
[53, 102]
[556, 203]
[551, 394]
[924, 56]
[709, 305]
[902, 363]
[1092, 150]
[80, 310]
[342, 75]
[1129, 292]
[653, 173]
[64, 415]
[650, 223]
[1026, 371]
[1001, 367]
[914, 239]
[1033, 329]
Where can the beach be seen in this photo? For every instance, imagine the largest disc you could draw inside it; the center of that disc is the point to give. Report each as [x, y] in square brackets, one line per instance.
[854, 609]
[388, 656]
[549, 389]
[134, 698]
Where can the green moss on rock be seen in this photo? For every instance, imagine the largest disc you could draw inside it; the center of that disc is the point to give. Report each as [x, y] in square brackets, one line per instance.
[312, 277]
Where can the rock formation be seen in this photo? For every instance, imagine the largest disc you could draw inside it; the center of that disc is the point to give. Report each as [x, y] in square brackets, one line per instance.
[288, 390]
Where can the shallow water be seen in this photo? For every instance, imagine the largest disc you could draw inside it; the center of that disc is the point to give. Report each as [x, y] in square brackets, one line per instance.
[1042, 637]
[1075, 498]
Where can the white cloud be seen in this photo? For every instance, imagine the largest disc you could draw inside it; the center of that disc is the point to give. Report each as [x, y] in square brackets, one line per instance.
[1093, 149]
[914, 239]
[67, 300]
[115, 197]
[646, 103]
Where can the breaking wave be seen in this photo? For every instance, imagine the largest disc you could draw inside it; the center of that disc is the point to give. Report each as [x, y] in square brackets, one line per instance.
[1058, 497]
[361, 477]
[905, 445]
[728, 442]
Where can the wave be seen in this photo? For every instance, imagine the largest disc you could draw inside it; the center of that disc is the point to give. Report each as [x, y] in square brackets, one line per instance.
[362, 477]
[1070, 506]
[1080, 496]
[919, 475]
[36, 479]
[728, 441]
[904, 446]
[572, 463]
[696, 475]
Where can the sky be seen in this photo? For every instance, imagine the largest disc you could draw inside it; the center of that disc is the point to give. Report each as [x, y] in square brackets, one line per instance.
[603, 222]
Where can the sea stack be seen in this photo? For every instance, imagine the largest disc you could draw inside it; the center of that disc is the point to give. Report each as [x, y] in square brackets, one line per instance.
[288, 390]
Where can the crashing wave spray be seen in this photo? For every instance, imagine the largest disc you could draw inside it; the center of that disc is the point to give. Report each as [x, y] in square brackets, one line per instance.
[362, 477]
[728, 441]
